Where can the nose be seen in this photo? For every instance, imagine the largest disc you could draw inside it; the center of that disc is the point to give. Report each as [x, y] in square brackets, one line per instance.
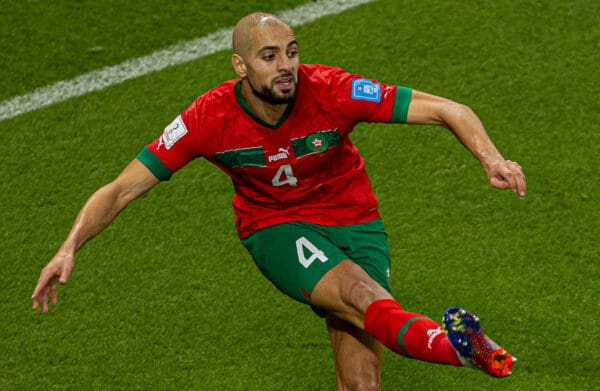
[284, 63]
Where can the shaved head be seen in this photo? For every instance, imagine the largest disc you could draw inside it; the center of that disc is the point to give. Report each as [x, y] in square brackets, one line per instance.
[242, 37]
[265, 56]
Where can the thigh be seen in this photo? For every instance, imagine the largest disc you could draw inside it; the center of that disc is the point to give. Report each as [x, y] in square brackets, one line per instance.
[294, 256]
[366, 245]
[358, 356]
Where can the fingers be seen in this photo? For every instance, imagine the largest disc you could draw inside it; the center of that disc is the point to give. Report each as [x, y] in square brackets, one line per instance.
[54, 293]
[509, 176]
[36, 304]
[57, 271]
[516, 178]
[46, 286]
[45, 301]
[66, 272]
[42, 297]
[37, 294]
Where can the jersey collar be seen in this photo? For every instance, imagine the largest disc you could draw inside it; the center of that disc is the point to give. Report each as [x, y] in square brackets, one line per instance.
[244, 104]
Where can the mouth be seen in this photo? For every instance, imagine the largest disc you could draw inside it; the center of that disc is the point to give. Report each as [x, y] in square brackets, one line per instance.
[285, 82]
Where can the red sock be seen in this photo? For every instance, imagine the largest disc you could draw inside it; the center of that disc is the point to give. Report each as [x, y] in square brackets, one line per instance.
[409, 334]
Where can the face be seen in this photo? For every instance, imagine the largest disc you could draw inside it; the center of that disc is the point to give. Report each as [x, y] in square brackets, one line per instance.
[271, 66]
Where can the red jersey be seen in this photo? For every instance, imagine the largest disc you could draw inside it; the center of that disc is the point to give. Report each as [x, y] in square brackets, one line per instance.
[304, 168]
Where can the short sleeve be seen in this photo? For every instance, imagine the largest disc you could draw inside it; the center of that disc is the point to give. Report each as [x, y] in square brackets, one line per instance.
[154, 164]
[369, 100]
[175, 147]
[401, 103]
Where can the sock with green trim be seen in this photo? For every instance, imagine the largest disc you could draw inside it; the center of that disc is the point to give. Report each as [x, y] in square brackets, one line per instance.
[409, 334]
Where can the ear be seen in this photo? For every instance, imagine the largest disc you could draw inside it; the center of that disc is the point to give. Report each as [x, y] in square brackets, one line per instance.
[239, 66]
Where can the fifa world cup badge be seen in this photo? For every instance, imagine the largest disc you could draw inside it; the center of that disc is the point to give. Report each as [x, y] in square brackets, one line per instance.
[317, 143]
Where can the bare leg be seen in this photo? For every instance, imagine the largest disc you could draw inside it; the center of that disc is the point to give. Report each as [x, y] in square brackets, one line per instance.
[357, 355]
[346, 291]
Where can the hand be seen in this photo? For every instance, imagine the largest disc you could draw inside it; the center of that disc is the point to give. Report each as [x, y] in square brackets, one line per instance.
[56, 272]
[507, 174]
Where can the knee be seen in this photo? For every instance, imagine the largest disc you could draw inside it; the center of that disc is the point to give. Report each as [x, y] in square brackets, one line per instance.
[360, 293]
[347, 291]
[356, 292]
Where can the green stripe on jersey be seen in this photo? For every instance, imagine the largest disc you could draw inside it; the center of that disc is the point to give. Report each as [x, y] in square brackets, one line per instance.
[332, 137]
[247, 157]
[400, 110]
[153, 163]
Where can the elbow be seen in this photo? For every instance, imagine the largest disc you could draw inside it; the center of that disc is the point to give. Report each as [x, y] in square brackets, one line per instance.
[126, 195]
[452, 113]
[116, 194]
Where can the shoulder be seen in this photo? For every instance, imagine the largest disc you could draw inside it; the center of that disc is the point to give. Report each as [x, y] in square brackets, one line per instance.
[215, 100]
[321, 74]
[209, 109]
[328, 84]
[220, 94]
[323, 82]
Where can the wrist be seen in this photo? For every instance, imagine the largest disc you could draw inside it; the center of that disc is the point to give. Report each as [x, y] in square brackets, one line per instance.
[488, 161]
[68, 248]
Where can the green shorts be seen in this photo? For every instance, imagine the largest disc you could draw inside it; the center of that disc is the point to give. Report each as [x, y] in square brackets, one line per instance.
[295, 256]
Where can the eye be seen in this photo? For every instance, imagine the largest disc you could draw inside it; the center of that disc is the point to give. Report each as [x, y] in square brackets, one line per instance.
[269, 57]
[292, 53]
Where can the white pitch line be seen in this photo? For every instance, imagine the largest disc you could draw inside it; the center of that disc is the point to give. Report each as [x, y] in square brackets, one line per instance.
[174, 55]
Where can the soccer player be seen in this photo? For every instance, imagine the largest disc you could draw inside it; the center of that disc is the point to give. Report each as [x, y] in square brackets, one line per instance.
[304, 206]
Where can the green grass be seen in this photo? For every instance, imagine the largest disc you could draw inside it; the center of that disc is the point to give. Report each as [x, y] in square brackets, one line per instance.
[167, 298]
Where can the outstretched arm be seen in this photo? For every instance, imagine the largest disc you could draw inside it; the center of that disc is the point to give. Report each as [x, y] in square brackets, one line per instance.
[97, 213]
[429, 109]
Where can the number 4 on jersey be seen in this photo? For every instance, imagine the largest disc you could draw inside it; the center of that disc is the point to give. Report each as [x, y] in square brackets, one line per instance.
[303, 245]
[284, 176]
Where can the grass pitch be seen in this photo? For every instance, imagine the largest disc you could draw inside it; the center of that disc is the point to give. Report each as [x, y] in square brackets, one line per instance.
[167, 298]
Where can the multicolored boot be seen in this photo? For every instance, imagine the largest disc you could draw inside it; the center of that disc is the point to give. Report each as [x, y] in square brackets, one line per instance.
[466, 335]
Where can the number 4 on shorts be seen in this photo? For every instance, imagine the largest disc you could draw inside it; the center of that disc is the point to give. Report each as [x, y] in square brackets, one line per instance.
[303, 246]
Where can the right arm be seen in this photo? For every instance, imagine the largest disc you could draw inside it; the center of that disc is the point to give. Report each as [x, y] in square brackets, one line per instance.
[97, 213]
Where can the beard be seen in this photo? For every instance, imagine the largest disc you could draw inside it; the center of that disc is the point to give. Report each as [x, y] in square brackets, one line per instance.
[271, 95]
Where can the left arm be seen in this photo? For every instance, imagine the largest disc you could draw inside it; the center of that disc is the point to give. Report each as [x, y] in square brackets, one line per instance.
[426, 109]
